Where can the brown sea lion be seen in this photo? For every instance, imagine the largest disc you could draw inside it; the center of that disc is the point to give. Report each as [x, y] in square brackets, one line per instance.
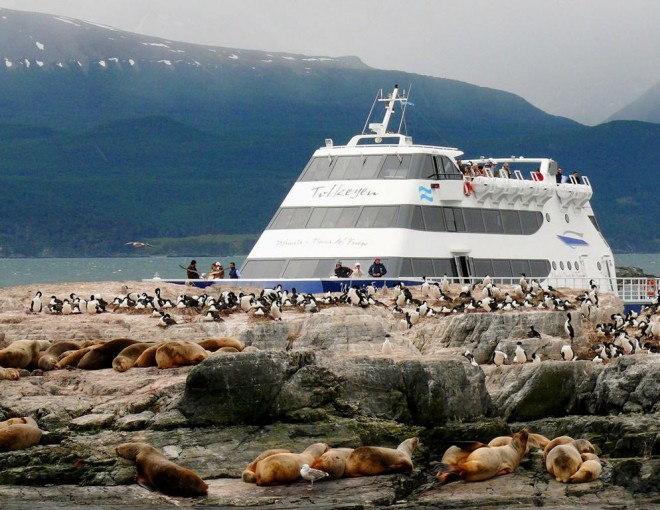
[556, 442]
[161, 474]
[48, 360]
[251, 348]
[71, 358]
[590, 469]
[101, 356]
[533, 441]
[333, 462]
[180, 353]
[583, 446]
[248, 475]
[213, 344]
[127, 357]
[484, 462]
[147, 358]
[285, 467]
[18, 436]
[375, 460]
[12, 421]
[563, 461]
[9, 374]
[22, 353]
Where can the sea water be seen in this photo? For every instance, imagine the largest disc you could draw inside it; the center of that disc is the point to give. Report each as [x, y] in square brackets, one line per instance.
[66, 270]
[62, 270]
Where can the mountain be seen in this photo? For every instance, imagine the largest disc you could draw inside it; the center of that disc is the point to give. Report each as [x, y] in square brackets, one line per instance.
[645, 108]
[108, 136]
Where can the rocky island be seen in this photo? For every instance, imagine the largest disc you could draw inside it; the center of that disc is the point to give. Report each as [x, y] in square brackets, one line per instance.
[347, 376]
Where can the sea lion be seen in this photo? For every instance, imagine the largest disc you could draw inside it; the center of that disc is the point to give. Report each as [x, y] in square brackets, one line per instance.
[590, 469]
[248, 475]
[9, 374]
[556, 442]
[48, 360]
[213, 344]
[583, 446]
[22, 353]
[147, 358]
[101, 356]
[533, 441]
[563, 461]
[127, 357]
[375, 460]
[161, 474]
[228, 350]
[180, 353]
[484, 462]
[251, 348]
[12, 421]
[333, 462]
[285, 467]
[71, 358]
[18, 436]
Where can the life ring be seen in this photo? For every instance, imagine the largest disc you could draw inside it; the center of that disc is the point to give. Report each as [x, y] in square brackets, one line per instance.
[467, 188]
[651, 288]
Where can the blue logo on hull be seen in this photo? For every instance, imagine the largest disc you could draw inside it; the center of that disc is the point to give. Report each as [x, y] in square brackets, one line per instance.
[425, 194]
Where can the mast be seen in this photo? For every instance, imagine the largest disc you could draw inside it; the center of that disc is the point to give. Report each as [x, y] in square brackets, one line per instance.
[380, 128]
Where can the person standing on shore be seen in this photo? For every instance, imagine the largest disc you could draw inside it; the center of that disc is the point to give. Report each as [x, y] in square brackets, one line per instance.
[233, 272]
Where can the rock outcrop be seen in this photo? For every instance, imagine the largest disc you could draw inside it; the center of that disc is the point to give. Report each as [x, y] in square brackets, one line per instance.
[322, 378]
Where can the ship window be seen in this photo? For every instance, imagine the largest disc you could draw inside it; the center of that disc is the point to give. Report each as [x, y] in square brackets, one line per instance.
[332, 217]
[568, 220]
[434, 219]
[291, 217]
[577, 268]
[511, 222]
[554, 265]
[442, 267]
[561, 265]
[547, 217]
[540, 268]
[502, 267]
[262, 268]
[493, 221]
[569, 265]
[530, 221]
[370, 167]
[378, 217]
[422, 267]
[450, 219]
[474, 221]
[406, 268]
[395, 167]
[600, 268]
[417, 222]
[449, 168]
[520, 267]
[482, 267]
[301, 268]
[346, 167]
[428, 168]
[318, 169]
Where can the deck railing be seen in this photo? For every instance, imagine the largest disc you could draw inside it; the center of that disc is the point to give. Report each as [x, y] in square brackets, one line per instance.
[629, 289]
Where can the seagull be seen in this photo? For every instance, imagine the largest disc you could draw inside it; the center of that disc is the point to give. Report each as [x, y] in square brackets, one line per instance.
[138, 244]
[311, 474]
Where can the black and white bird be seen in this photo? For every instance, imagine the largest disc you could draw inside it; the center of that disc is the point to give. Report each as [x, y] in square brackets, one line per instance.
[36, 305]
[536, 358]
[166, 320]
[521, 355]
[568, 327]
[470, 357]
[567, 353]
[499, 357]
[532, 333]
[386, 348]
[312, 475]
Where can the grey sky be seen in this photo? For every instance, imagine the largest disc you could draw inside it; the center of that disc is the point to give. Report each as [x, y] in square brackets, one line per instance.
[583, 59]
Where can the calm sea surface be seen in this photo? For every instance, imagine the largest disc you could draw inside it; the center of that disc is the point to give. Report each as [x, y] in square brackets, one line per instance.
[28, 271]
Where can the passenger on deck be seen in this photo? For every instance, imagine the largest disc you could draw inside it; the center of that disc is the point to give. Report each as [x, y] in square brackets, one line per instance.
[576, 178]
[191, 270]
[559, 176]
[233, 272]
[217, 271]
[477, 170]
[342, 271]
[357, 271]
[538, 174]
[377, 269]
[505, 172]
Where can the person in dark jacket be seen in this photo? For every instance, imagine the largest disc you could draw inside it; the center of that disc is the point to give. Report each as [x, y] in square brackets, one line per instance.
[342, 271]
[377, 269]
[191, 270]
[233, 272]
